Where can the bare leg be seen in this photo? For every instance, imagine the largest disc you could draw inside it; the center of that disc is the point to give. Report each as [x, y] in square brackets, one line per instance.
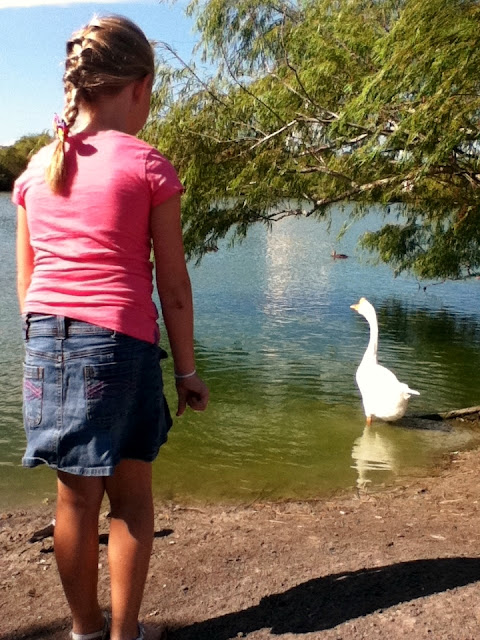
[76, 547]
[130, 543]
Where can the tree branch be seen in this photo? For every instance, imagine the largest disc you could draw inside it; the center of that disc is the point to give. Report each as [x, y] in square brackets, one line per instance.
[186, 66]
[285, 213]
[248, 92]
[275, 133]
[295, 72]
[329, 172]
[345, 195]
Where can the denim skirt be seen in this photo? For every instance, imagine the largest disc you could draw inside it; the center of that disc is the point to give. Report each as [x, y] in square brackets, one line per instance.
[91, 397]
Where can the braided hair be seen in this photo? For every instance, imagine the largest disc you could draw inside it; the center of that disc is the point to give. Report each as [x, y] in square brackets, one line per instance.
[102, 58]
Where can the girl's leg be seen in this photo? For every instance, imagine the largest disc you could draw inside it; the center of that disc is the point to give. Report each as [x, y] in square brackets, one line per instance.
[76, 547]
[130, 543]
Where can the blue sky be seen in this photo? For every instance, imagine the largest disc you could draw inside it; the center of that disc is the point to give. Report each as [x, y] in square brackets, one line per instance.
[32, 47]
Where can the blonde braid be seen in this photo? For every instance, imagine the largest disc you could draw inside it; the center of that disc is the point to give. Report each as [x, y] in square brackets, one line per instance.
[102, 59]
[56, 173]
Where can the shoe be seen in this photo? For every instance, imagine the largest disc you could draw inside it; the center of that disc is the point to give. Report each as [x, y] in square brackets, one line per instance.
[141, 632]
[103, 634]
[161, 634]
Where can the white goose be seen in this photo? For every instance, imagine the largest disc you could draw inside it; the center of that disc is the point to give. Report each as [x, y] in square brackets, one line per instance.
[383, 395]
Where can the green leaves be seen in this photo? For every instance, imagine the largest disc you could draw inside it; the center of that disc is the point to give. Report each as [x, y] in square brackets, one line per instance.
[14, 159]
[317, 102]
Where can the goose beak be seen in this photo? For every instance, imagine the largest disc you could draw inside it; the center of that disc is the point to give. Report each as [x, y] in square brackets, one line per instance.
[354, 306]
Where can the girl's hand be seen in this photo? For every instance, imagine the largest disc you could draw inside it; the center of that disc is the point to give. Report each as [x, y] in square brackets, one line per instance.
[192, 392]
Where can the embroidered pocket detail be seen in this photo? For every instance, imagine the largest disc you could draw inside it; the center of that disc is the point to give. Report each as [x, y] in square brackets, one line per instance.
[108, 391]
[32, 395]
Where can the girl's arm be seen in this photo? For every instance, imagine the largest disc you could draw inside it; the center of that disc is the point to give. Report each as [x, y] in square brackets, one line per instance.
[24, 257]
[174, 290]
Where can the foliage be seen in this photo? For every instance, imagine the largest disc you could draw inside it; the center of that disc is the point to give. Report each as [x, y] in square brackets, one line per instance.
[312, 103]
[14, 159]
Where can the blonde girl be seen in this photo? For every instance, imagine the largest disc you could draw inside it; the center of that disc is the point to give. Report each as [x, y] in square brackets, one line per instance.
[90, 206]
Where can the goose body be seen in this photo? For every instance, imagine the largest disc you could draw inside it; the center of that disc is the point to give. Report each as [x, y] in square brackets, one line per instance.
[383, 395]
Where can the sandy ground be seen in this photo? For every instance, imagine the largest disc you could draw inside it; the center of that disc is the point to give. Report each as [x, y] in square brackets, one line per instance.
[400, 563]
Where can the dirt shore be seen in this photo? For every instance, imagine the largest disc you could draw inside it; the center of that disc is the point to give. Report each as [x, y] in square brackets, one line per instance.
[400, 563]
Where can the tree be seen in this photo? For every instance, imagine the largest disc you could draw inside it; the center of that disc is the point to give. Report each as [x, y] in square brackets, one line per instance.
[14, 158]
[427, 94]
[322, 102]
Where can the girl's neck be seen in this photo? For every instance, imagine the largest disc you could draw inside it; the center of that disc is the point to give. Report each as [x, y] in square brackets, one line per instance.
[125, 111]
[91, 122]
[108, 113]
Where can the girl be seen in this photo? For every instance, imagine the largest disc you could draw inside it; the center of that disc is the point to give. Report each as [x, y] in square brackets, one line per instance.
[90, 206]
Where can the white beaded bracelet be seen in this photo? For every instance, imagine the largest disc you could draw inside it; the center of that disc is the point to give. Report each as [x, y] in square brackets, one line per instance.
[187, 375]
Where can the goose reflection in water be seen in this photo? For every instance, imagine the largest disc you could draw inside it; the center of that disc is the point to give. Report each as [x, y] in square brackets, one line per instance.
[372, 452]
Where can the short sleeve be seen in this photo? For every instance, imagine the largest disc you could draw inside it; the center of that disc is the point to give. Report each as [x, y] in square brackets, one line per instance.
[34, 172]
[161, 177]
[18, 194]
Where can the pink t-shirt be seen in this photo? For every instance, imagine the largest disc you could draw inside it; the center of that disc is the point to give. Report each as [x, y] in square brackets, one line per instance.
[92, 244]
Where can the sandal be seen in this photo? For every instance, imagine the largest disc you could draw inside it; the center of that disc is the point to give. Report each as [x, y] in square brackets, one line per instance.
[103, 634]
[162, 635]
[141, 632]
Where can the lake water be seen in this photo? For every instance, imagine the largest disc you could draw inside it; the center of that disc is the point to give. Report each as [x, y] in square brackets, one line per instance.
[278, 344]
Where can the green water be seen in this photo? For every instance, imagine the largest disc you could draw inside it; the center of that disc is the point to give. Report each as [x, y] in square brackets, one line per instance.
[278, 344]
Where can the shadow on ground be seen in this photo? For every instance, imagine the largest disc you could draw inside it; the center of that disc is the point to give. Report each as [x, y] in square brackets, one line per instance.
[324, 603]
[321, 603]
[38, 632]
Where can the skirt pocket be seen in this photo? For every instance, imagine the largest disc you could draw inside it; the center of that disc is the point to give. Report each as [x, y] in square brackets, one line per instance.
[32, 395]
[109, 389]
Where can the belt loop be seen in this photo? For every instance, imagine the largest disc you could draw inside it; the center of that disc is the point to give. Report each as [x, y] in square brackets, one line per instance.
[25, 325]
[61, 328]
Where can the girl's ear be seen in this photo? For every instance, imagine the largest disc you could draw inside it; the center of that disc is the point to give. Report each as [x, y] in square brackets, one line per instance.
[141, 86]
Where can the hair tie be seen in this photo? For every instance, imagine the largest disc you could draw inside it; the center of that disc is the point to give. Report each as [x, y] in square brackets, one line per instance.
[60, 128]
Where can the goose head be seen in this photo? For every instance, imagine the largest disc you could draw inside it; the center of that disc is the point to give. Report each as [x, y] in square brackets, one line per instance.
[365, 309]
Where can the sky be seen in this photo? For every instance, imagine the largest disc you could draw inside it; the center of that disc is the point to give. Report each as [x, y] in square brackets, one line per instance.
[33, 34]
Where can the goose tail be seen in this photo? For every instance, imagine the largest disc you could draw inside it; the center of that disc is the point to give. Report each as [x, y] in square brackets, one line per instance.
[412, 392]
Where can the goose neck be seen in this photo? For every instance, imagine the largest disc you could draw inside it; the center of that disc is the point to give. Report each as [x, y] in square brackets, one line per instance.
[372, 348]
